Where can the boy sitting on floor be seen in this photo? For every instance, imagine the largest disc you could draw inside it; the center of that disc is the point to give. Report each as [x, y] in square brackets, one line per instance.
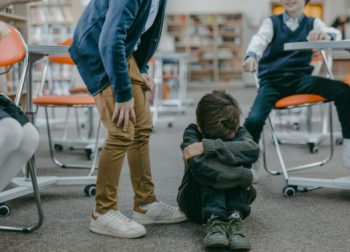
[217, 185]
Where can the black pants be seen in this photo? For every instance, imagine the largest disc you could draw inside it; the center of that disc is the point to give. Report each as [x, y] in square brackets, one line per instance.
[198, 201]
[278, 87]
[223, 203]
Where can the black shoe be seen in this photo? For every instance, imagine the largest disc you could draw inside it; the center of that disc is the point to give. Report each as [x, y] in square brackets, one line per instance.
[237, 239]
[216, 233]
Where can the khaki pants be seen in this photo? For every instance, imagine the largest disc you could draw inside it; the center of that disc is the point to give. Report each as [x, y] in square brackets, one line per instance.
[134, 142]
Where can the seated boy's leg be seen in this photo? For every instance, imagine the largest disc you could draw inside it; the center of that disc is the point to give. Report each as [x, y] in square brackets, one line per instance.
[262, 106]
[338, 92]
[214, 213]
[238, 206]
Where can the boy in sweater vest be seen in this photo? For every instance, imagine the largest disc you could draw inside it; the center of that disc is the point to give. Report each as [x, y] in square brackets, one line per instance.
[217, 186]
[283, 73]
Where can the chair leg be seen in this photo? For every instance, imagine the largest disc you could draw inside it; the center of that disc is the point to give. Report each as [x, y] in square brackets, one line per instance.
[285, 170]
[31, 169]
[271, 172]
[52, 155]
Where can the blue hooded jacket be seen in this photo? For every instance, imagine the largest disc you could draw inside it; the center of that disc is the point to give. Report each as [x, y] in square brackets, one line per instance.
[105, 37]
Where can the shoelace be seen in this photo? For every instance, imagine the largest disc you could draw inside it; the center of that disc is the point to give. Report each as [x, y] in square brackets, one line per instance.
[217, 227]
[235, 226]
[121, 217]
[166, 206]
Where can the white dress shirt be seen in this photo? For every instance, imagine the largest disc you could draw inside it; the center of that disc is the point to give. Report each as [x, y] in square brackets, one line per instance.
[152, 15]
[263, 37]
[150, 20]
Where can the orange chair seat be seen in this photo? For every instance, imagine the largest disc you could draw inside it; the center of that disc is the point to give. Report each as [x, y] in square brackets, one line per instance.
[78, 90]
[297, 100]
[347, 79]
[64, 100]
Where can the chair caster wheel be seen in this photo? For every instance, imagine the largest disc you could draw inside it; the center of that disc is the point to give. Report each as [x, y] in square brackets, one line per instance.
[90, 190]
[313, 148]
[4, 210]
[58, 147]
[289, 191]
[89, 154]
[339, 141]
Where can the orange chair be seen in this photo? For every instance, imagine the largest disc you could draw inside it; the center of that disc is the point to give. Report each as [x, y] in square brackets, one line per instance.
[13, 50]
[69, 101]
[292, 102]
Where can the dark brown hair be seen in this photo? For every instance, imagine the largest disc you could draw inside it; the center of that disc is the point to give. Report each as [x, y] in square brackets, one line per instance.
[307, 1]
[218, 115]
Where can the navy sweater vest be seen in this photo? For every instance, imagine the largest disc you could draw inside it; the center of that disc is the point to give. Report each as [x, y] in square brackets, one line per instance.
[276, 61]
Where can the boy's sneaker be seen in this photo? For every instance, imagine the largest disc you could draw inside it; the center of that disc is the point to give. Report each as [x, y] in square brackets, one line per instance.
[158, 212]
[346, 153]
[236, 237]
[114, 223]
[216, 233]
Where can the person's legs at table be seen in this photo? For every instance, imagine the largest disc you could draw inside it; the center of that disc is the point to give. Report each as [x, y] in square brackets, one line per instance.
[268, 94]
[17, 143]
[338, 92]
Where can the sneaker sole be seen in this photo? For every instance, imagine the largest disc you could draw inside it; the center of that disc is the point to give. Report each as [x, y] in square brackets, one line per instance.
[106, 231]
[141, 219]
[240, 247]
[216, 244]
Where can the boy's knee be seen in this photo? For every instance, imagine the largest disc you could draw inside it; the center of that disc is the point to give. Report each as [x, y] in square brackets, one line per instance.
[254, 120]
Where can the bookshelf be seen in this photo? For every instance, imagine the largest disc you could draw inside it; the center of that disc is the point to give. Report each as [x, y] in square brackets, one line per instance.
[214, 43]
[17, 16]
[52, 22]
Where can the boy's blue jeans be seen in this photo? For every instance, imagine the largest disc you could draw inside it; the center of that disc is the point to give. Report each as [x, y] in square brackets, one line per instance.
[223, 202]
[277, 87]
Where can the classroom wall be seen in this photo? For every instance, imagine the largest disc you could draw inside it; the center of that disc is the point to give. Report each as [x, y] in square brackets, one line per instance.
[255, 10]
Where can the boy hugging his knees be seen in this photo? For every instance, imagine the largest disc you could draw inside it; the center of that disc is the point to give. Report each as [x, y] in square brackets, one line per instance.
[217, 185]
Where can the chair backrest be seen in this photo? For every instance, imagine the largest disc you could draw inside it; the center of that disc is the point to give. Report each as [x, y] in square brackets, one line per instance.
[12, 48]
[66, 59]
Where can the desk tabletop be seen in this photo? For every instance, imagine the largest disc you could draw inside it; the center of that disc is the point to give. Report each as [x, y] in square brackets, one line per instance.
[48, 49]
[170, 55]
[318, 45]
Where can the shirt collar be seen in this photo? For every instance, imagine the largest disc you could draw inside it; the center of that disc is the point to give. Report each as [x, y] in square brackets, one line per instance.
[287, 18]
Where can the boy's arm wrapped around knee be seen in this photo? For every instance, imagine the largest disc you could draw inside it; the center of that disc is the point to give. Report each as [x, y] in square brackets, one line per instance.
[241, 150]
[210, 172]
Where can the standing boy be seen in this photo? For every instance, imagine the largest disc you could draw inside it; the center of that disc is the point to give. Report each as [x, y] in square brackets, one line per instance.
[217, 185]
[283, 73]
[113, 42]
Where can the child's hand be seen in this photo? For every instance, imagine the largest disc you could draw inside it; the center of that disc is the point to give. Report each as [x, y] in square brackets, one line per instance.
[193, 150]
[317, 35]
[249, 65]
[149, 83]
[4, 31]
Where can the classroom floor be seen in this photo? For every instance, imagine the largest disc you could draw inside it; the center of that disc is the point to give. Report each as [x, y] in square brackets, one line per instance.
[313, 221]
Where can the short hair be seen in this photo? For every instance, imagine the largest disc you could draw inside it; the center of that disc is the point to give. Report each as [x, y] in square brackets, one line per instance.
[218, 115]
[307, 1]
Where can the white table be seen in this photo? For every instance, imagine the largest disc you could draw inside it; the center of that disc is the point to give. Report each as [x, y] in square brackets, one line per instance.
[323, 46]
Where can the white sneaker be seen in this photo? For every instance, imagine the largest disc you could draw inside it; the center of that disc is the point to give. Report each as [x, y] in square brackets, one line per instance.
[346, 153]
[114, 223]
[159, 212]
